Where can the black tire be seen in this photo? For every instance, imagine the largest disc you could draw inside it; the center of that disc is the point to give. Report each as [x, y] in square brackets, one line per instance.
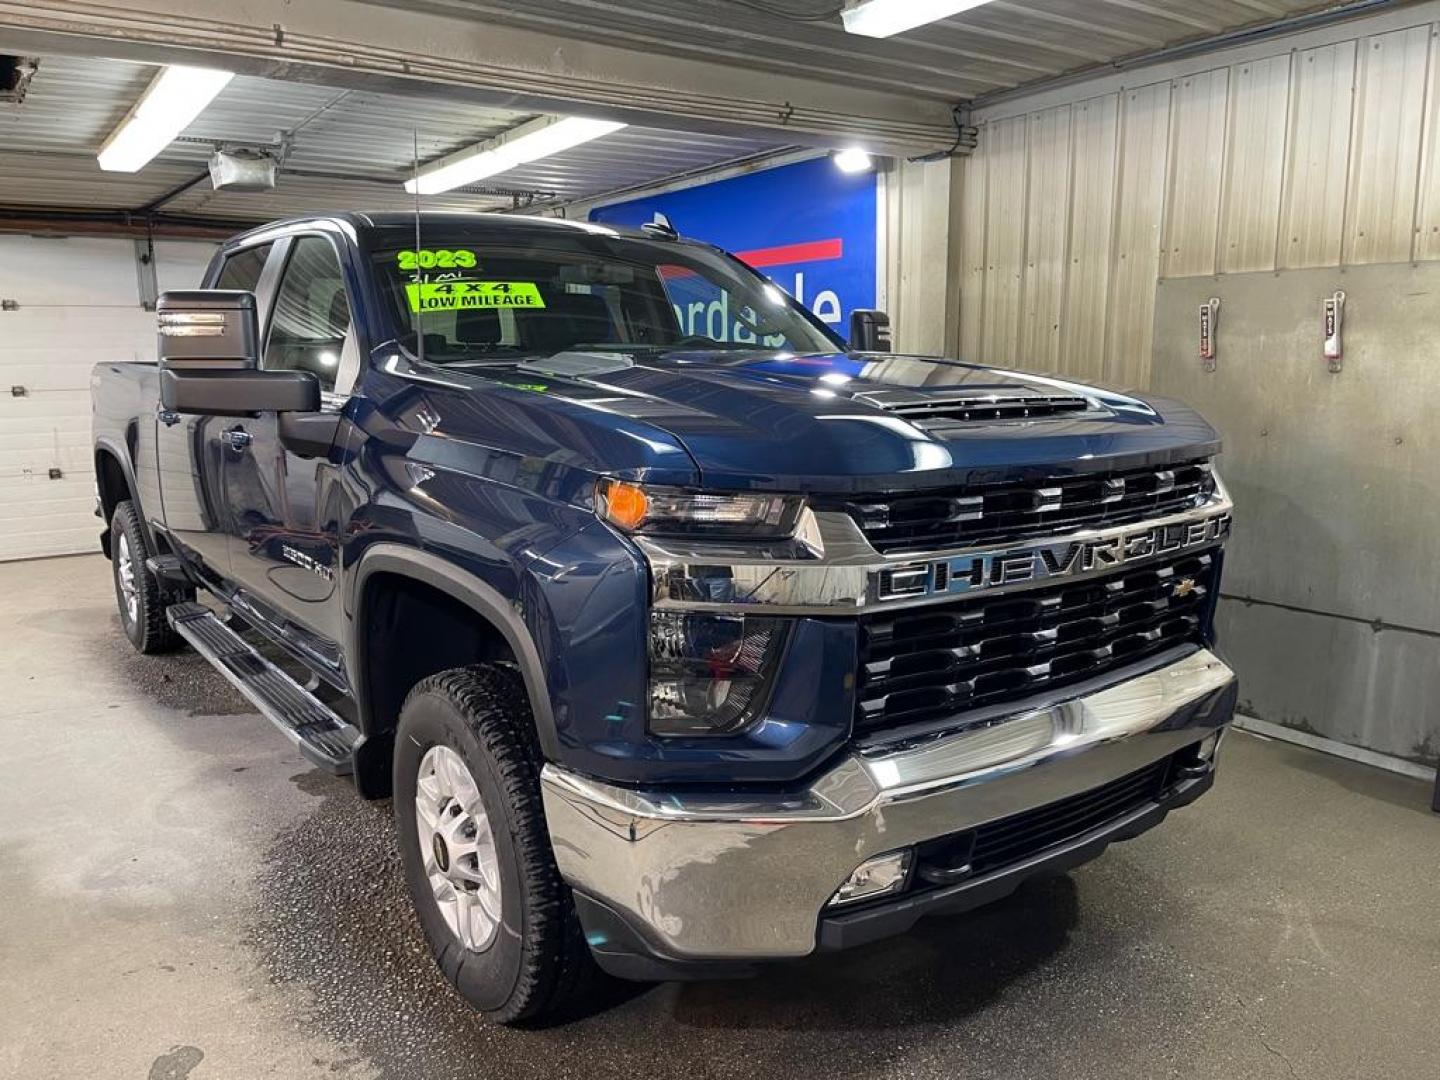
[538, 967]
[145, 625]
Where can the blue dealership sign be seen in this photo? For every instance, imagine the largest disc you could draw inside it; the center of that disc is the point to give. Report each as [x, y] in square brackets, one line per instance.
[808, 226]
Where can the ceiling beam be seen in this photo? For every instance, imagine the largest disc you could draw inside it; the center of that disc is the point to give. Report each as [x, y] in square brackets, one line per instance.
[86, 221]
[355, 45]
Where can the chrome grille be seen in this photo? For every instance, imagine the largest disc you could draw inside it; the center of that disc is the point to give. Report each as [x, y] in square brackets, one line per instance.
[951, 518]
[922, 665]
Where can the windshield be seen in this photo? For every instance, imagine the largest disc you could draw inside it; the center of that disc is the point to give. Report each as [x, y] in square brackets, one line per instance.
[475, 298]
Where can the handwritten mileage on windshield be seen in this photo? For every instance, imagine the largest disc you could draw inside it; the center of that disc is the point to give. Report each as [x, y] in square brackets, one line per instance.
[465, 295]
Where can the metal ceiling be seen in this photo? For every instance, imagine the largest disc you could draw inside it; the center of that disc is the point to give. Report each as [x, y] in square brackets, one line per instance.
[988, 49]
[354, 147]
[340, 148]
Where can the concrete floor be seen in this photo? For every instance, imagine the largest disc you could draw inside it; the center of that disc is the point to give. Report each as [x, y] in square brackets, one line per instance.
[182, 896]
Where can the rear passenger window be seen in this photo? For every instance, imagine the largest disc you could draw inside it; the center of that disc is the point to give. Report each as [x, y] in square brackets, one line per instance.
[242, 270]
[311, 315]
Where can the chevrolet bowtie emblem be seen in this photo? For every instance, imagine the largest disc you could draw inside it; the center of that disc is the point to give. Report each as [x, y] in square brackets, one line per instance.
[1185, 586]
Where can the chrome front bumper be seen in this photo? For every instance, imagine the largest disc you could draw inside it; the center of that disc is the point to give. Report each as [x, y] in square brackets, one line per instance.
[712, 877]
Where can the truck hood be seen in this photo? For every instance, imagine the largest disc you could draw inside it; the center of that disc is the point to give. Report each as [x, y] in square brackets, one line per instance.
[857, 422]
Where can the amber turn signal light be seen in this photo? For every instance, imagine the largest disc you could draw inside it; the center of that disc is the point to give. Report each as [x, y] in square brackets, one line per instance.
[623, 504]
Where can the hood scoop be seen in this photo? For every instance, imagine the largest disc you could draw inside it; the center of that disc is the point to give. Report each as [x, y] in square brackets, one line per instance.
[578, 365]
[944, 407]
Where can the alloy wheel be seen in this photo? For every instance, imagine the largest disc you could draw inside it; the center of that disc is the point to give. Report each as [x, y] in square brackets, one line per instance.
[458, 846]
[125, 571]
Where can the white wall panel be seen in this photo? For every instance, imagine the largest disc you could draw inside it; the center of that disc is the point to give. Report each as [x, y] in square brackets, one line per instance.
[921, 265]
[1005, 160]
[77, 302]
[1095, 125]
[1322, 92]
[1197, 153]
[180, 264]
[1046, 238]
[1254, 164]
[973, 203]
[1139, 209]
[1384, 169]
[54, 271]
[1427, 210]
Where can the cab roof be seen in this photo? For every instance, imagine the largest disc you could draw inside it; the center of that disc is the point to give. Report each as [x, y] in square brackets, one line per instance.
[388, 220]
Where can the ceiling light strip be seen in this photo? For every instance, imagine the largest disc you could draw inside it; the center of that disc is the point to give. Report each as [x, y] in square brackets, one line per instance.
[529, 142]
[169, 105]
[885, 18]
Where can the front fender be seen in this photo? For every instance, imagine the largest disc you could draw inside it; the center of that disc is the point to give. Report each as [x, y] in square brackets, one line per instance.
[482, 598]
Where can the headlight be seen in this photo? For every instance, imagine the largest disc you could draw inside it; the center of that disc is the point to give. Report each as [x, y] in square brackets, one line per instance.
[710, 674]
[673, 512]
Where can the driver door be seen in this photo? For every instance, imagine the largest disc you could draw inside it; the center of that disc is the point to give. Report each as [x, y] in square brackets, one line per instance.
[190, 451]
[284, 506]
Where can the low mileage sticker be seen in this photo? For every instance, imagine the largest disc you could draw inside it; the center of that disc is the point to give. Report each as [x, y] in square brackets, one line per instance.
[463, 295]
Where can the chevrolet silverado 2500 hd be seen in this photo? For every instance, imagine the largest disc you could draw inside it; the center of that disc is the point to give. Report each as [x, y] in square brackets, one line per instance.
[684, 637]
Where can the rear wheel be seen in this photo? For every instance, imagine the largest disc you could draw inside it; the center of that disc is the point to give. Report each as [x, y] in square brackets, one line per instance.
[499, 919]
[138, 593]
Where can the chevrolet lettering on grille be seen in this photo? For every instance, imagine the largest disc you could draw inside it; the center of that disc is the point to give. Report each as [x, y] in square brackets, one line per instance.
[1016, 565]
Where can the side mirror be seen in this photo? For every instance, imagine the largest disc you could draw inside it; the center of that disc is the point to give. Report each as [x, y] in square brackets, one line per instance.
[869, 330]
[212, 329]
[238, 392]
[209, 359]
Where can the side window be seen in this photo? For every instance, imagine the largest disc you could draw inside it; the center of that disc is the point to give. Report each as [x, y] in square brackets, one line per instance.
[311, 316]
[242, 270]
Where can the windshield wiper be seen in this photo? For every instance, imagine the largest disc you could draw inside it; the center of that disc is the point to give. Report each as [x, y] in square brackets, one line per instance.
[696, 346]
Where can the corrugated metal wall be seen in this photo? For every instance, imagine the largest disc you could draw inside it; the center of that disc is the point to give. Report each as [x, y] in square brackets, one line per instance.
[1096, 219]
[1324, 156]
[919, 255]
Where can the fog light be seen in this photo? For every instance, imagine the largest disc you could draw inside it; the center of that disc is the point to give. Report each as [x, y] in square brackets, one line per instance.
[1199, 759]
[1209, 745]
[879, 876]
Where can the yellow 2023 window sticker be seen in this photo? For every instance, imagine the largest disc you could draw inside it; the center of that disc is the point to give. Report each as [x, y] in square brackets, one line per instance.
[464, 295]
[437, 259]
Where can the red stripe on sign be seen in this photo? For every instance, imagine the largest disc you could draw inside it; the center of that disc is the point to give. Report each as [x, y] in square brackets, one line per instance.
[810, 251]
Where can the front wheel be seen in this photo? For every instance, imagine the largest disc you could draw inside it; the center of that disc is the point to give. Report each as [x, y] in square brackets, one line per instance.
[499, 919]
[138, 593]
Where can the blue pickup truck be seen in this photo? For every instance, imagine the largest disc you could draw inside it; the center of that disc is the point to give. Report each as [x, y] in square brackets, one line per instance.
[684, 636]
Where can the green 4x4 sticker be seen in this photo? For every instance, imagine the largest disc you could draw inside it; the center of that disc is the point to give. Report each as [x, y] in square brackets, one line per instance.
[461, 295]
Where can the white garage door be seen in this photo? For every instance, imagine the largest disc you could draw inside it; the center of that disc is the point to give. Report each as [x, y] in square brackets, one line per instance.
[75, 301]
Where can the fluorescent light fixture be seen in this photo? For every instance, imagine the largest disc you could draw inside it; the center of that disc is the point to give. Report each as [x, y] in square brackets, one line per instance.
[519, 146]
[853, 160]
[884, 18]
[172, 100]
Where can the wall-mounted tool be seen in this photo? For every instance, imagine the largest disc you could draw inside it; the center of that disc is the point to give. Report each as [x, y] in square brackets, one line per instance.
[1334, 309]
[1209, 320]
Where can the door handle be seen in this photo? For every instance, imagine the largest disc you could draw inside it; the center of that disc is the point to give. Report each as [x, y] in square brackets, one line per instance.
[238, 438]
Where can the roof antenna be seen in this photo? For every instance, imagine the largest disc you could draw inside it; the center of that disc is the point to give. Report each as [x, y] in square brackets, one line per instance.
[659, 226]
[419, 288]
